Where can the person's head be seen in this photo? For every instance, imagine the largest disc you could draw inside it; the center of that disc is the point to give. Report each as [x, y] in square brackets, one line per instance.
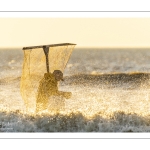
[58, 75]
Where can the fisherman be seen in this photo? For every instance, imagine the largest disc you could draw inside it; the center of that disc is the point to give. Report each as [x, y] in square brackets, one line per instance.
[48, 87]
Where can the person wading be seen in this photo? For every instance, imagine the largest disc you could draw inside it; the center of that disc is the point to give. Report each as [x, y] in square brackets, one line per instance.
[48, 87]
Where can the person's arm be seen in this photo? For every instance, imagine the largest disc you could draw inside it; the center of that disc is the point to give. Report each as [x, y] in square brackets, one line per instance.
[55, 91]
[66, 95]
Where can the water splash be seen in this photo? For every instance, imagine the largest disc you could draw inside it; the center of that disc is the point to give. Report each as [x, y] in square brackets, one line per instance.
[102, 101]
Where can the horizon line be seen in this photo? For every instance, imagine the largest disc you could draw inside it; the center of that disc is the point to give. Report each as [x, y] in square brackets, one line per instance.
[87, 47]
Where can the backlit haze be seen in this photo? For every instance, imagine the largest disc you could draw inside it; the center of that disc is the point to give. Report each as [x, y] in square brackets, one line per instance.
[85, 32]
[110, 87]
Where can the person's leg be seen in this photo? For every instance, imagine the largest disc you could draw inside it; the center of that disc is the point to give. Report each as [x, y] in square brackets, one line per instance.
[41, 104]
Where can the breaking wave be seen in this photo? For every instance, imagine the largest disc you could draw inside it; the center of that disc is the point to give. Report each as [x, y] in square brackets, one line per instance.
[73, 122]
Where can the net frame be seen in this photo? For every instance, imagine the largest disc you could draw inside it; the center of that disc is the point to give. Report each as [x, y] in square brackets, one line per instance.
[26, 77]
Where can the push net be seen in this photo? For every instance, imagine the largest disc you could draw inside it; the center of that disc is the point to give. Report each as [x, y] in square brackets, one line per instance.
[37, 61]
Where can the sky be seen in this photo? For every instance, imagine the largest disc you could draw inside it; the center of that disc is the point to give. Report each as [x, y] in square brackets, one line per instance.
[85, 32]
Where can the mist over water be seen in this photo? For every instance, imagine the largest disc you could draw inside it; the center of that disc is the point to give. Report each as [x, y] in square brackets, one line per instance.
[110, 87]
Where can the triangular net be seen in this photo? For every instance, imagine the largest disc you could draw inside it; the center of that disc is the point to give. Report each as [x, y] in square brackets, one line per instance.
[37, 61]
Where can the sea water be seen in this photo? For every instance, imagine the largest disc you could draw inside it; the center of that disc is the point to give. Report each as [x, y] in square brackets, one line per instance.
[110, 93]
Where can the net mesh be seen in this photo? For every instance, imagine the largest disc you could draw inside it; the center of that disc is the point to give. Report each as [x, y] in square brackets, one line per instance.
[35, 65]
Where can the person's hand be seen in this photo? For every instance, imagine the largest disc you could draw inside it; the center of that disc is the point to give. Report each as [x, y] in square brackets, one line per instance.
[67, 95]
